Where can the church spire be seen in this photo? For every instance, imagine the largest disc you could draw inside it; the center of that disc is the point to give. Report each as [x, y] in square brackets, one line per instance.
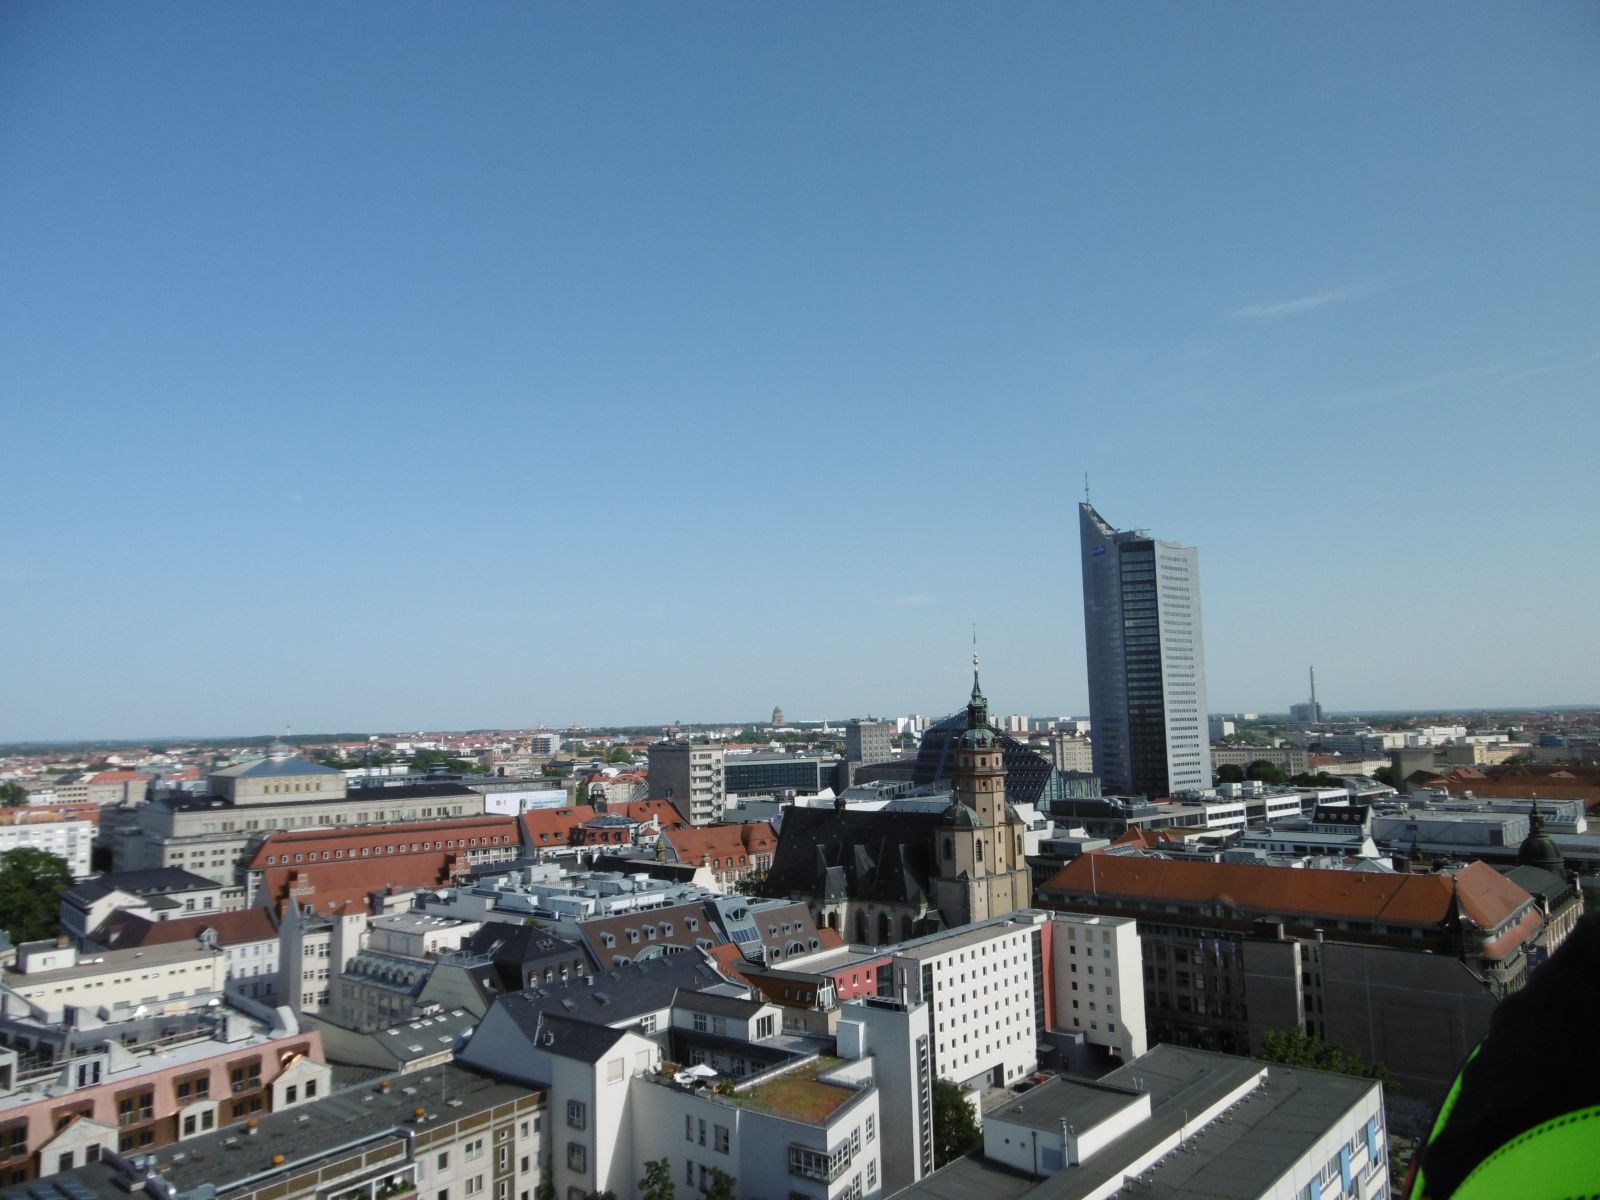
[977, 706]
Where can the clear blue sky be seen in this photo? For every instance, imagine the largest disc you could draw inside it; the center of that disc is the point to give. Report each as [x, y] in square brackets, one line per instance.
[406, 366]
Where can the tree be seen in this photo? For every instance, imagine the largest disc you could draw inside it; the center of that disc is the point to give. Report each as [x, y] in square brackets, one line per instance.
[547, 1180]
[955, 1129]
[721, 1186]
[421, 760]
[657, 1181]
[1385, 776]
[1320, 780]
[752, 884]
[1264, 771]
[1230, 773]
[1297, 1048]
[13, 795]
[31, 883]
[622, 756]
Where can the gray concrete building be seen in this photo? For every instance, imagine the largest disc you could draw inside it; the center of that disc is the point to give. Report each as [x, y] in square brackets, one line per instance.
[1147, 671]
[869, 741]
[690, 776]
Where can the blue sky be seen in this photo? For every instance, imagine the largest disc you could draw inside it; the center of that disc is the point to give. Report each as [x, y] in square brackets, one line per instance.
[394, 366]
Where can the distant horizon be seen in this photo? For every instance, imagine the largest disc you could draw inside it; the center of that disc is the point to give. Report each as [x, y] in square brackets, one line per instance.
[1332, 717]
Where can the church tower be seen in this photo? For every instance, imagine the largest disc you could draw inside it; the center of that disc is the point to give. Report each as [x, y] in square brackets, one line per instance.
[981, 869]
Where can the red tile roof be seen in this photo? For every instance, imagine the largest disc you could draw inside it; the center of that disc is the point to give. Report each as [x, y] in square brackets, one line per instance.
[718, 843]
[1487, 897]
[120, 777]
[403, 855]
[644, 810]
[231, 929]
[555, 826]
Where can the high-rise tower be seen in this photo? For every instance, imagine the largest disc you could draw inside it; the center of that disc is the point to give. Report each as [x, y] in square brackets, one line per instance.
[1147, 667]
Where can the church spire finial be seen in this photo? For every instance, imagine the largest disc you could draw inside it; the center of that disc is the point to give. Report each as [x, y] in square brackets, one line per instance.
[977, 694]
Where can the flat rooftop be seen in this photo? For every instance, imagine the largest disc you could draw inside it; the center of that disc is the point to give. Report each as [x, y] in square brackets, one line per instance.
[101, 962]
[229, 1157]
[939, 944]
[798, 1095]
[1079, 1102]
[1239, 1159]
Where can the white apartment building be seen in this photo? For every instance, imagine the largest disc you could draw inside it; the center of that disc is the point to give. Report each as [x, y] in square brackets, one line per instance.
[1071, 752]
[750, 1137]
[1097, 981]
[157, 979]
[70, 841]
[979, 986]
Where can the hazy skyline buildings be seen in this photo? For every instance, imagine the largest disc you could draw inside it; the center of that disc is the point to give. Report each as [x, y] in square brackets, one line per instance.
[1146, 660]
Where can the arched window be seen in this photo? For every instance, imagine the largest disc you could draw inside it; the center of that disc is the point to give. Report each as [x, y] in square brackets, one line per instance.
[980, 849]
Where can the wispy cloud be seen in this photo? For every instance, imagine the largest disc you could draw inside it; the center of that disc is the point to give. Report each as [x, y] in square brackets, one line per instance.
[1303, 304]
[1503, 372]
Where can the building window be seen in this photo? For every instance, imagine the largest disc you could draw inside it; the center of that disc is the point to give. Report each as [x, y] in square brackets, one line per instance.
[721, 1141]
[474, 1149]
[577, 1157]
[139, 1106]
[576, 1113]
[245, 1076]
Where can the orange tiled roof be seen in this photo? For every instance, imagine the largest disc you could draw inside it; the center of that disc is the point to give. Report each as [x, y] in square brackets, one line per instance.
[693, 844]
[119, 777]
[644, 810]
[1488, 898]
[333, 838]
[555, 826]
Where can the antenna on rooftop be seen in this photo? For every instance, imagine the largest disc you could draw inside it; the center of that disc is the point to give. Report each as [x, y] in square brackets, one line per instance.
[1086, 487]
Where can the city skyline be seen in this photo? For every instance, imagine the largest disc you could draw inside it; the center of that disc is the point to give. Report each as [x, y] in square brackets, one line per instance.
[366, 370]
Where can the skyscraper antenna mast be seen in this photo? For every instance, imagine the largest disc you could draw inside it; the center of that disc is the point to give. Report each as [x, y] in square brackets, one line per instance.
[1086, 487]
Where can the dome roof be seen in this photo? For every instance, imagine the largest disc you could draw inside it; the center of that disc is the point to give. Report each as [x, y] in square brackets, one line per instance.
[981, 738]
[959, 814]
[1538, 849]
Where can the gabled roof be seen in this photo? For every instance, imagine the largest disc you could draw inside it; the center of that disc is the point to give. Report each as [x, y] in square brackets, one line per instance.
[644, 810]
[154, 882]
[608, 1002]
[554, 826]
[694, 844]
[1487, 897]
[230, 929]
[879, 855]
[119, 777]
[272, 767]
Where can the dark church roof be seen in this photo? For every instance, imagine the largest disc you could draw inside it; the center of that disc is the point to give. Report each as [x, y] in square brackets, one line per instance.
[831, 855]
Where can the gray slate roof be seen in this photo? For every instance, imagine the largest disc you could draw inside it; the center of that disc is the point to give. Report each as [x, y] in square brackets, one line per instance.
[154, 882]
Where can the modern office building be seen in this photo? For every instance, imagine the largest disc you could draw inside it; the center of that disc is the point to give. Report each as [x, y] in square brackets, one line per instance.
[771, 774]
[1147, 669]
[869, 741]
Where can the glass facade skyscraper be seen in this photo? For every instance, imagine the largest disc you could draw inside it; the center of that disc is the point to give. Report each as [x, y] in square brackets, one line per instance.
[1147, 670]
